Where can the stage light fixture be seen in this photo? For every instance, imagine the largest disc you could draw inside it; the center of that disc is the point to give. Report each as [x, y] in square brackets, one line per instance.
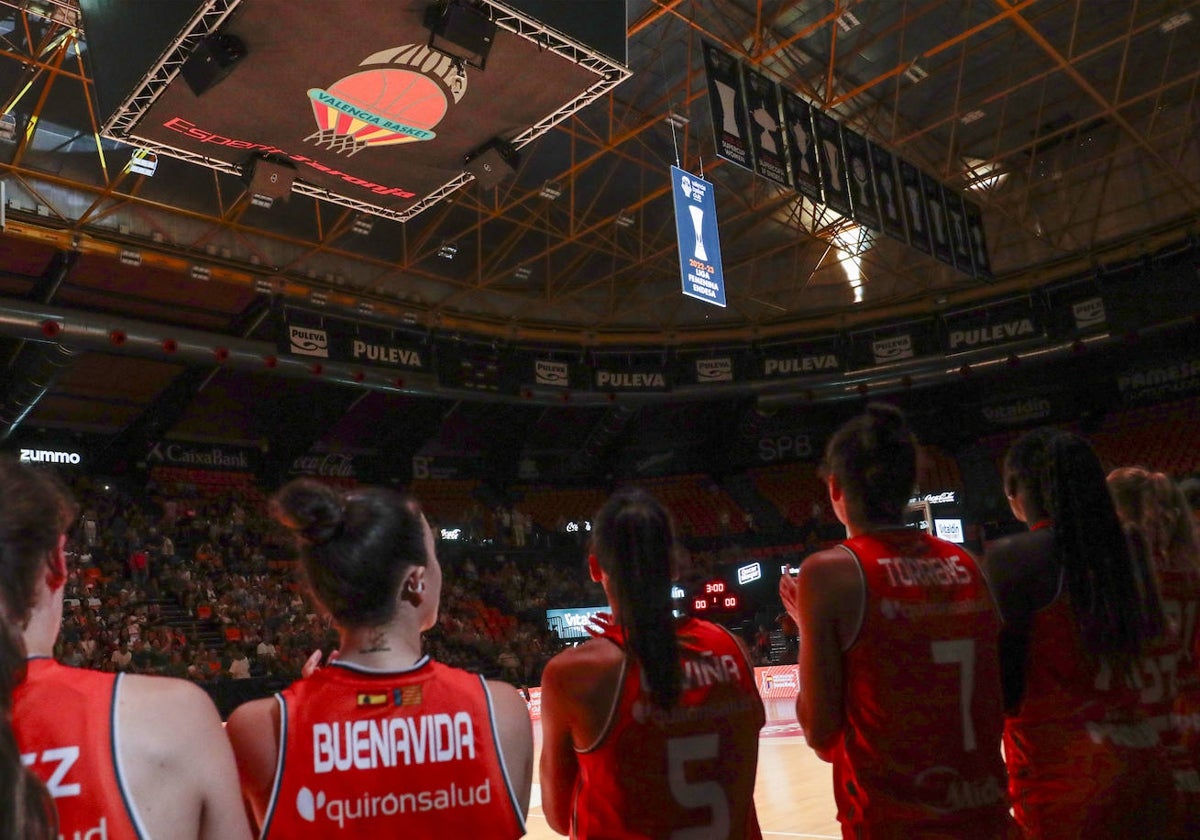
[131, 258]
[363, 225]
[462, 31]
[318, 298]
[624, 219]
[263, 201]
[678, 121]
[201, 272]
[8, 127]
[264, 286]
[448, 250]
[523, 272]
[143, 162]
[551, 190]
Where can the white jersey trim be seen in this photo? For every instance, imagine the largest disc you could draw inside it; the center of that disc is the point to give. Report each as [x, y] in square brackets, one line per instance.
[273, 801]
[862, 604]
[126, 795]
[512, 793]
[610, 721]
[363, 669]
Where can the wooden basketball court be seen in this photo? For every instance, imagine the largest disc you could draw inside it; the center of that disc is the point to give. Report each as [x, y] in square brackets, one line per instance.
[793, 794]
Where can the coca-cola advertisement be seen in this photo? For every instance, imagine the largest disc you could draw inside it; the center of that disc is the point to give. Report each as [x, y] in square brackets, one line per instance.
[337, 467]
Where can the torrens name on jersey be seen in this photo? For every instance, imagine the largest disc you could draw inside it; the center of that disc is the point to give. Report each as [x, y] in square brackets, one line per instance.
[925, 571]
[389, 742]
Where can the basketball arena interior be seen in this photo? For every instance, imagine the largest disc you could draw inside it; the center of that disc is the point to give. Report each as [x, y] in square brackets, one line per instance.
[440, 246]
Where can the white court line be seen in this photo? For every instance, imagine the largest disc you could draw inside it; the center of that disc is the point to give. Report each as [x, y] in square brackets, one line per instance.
[790, 834]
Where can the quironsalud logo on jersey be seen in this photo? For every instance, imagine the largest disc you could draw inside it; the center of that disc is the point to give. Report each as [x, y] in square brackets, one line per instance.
[313, 806]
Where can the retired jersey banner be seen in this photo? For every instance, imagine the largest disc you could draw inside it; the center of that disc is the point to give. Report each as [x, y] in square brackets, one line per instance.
[994, 325]
[833, 162]
[939, 222]
[728, 106]
[862, 186]
[888, 193]
[305, 333]
[699, 241]
[821, 356]
[916, 214]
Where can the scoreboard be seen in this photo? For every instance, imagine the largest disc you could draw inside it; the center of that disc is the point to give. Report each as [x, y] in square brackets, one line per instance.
[715, 596]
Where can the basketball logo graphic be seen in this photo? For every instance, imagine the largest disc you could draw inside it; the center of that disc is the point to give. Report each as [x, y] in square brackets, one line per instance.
[399, 97]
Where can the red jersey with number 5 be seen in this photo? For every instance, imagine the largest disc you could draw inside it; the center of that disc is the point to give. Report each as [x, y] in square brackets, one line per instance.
[924, 713]
[654, 771]
[64, 722]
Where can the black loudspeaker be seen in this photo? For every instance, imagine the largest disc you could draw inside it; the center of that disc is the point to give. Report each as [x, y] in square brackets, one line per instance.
[492, 163]
[460, 31]
[211, 61]
[269, 178]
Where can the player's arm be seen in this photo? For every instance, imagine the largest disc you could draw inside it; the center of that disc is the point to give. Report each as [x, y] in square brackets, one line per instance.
[825, 600]
[559, 766]
[516, 738]
[253, 730]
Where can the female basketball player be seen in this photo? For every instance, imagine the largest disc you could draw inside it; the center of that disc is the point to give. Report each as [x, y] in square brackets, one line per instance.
[26, 809]
[1079, 613]
[651, 729]
[1160, 517]
[382, 742]
[899, 668]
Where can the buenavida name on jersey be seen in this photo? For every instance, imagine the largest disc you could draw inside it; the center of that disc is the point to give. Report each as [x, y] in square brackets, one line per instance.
[389, 742]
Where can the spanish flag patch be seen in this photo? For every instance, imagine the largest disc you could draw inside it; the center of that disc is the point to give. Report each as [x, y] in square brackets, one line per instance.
[410, 695]
[372, 699]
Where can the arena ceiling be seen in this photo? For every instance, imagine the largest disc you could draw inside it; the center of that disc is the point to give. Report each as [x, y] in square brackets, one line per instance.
[1072, 123]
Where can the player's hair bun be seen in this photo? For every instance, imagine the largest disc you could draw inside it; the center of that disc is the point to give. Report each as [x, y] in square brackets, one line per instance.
[312, 510]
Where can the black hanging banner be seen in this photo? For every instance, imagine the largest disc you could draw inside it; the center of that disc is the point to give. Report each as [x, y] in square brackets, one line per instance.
[960, 242]
[862, 186]
[766, 128]
[939, 223]
[833, 162]
[888, 193]
[802, 146]
[979, 251]
[728, 105]
[915, 211]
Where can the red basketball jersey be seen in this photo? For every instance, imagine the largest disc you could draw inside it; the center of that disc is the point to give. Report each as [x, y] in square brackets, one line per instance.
[1083, 759]
[924, 713]
[657, 771]
[65, 724]
[413, 753]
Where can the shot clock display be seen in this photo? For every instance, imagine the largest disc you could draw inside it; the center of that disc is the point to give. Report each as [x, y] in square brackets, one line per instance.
[715, 596]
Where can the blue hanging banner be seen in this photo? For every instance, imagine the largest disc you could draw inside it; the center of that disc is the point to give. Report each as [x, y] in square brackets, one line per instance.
[699, 242]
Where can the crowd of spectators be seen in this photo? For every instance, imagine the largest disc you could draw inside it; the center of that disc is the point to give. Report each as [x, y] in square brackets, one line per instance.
[178, 582]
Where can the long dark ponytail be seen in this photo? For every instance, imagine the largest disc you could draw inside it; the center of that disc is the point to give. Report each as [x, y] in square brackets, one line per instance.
[634, 544]
[26, 809]
[1112, 588]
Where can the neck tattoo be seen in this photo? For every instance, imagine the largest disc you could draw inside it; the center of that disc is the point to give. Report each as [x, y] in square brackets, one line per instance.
[377, 644]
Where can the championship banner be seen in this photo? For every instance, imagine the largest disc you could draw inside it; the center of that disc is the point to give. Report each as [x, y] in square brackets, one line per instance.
[698, 237]
[1146, 384]
[888, 193]
[979, 251]
[916, 213]
[833, 162]
[960, 239]
[802, 146]
[939, 222]
[630, 377]
[304, 333]
[890, 343]
[863, 198]
[993, 325]
[766, 127]
[728, 105]
[808, 359]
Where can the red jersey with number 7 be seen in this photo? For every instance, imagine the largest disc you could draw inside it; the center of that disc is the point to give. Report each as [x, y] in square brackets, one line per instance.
[924, 713]
[65, 723]
[684, 771]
